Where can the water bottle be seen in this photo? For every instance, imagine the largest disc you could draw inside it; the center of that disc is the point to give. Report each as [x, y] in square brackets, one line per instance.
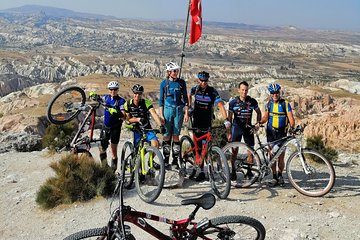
[275, 149]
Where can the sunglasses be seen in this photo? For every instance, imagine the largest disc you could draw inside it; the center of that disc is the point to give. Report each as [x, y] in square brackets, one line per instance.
[277, 92]
[113, 89]
[176, 70]
[204, 80]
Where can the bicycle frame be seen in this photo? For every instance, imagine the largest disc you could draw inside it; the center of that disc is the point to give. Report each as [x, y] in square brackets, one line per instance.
[199, 158]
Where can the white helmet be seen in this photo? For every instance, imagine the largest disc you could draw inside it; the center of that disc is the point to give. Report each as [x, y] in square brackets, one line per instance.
[171, 66]
[113, 84]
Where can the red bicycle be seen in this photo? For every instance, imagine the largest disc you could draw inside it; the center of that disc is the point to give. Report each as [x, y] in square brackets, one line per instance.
[225, 227]
[203, 157]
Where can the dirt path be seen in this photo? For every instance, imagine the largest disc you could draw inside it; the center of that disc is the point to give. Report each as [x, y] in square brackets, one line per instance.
[285, 213]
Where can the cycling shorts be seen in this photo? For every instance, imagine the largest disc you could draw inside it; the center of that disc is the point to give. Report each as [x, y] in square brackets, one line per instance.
[112, 134]
[273, 134]
[149, 137]
[174, 116]
[239, 132]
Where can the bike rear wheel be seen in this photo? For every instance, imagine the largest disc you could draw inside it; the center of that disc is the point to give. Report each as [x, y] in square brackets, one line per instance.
[64, 106]
[94, 233]
[187, 156]
[218, 172]
[128, 163]
[244, 163]
[233, 227]
[320, 177]
[150, 174]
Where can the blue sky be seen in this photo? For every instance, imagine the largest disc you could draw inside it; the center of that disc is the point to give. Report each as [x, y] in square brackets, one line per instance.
[315, 14]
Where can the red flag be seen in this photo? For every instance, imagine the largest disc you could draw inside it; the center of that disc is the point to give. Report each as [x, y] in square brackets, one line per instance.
[196, 22]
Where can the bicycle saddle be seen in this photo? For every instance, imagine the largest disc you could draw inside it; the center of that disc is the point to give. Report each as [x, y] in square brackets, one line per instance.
[206, 201]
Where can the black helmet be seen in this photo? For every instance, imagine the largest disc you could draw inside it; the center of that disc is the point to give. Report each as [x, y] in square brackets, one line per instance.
[137, 88]
[204, 76]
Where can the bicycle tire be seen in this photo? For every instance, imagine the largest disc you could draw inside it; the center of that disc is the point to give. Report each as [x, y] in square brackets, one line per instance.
[150, 184]
[128, 162]
[233, 227]
[187, 157]
[94, 232]
[319, 181]
[242, 176]
[64, 106]
[219, 174]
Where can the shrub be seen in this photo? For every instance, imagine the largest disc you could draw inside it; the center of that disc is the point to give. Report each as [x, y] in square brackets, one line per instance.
[58, 136]
[78, 178]
[316, 142]
[219, 134]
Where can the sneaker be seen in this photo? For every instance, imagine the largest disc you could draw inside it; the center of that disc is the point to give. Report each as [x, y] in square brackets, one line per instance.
[249, 174]
[167, 166]
[175, 164]
[273, 182]
[200, 177]
[281, 181]
[142, 178]
[233, 176]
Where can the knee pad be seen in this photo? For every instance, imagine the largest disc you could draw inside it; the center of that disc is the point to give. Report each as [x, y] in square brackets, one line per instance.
[176, 149]
[166, 148]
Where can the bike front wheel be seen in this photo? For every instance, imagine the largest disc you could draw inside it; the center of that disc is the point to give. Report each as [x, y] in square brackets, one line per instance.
[233, 227]
[149, 174]
[244, 163]
[94, 233]
[313, 177]
[65, 105]
[219, 172]
[128, 164]
[187, 156]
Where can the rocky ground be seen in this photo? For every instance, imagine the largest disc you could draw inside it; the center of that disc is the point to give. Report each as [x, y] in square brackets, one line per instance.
[285, 213]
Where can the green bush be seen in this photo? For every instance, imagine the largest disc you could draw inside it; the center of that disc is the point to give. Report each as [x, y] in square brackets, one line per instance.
[219, 134]
[78, 178]
[58, 136]
[316, 142]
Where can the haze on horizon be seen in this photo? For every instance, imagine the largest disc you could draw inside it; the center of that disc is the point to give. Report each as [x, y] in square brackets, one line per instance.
[313, 14]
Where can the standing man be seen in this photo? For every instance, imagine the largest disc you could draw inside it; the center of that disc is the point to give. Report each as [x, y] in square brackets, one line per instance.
[278, 115]
[173, 105]
[113, 117]
[240, 113]
[205, 98]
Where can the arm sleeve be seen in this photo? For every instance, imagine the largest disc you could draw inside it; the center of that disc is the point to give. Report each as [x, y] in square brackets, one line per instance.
[161, 98]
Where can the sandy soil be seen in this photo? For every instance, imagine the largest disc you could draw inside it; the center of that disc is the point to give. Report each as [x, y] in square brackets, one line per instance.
[285, 213]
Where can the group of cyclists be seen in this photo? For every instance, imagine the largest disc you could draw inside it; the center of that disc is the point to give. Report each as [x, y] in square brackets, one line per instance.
[176, 106]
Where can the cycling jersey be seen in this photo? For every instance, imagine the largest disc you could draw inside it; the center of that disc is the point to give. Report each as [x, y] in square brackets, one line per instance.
[204, 100]
[242, 110]
[278, 113]
[117, 102]
[141, 111]
[173, 93]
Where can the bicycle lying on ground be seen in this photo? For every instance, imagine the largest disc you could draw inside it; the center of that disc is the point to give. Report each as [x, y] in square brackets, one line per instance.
[65, 106]
[225, 227]
[308, 171]
[193, 158]
[145, 165]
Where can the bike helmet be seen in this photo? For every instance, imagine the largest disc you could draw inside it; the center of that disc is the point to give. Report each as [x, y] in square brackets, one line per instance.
[171, 66]
[274, 87]
[137, 88]
[113, 85]
[203, 76]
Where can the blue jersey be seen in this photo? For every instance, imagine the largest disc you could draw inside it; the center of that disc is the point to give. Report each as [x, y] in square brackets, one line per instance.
[173, 93]
[278, 113]
[117, 102]
[242, 110]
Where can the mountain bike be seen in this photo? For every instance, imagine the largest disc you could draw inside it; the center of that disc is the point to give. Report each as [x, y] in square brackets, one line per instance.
[225, 227]
[65, 106]
[194, 158]
[308, 171]
[145, 165]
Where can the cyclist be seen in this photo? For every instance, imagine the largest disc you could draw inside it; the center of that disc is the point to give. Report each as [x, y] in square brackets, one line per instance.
[113, 117]
[173, 105]
[205, 97]
[137, 111]
[278, 115]
[240, 114]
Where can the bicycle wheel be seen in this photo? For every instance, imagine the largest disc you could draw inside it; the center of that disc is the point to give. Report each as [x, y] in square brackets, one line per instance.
[187, 156]
[150, 174]
[128, 162]
[64, 106]
[244, 163]
[233, 227]
[219, 174]
[320, 176]
[95, 233]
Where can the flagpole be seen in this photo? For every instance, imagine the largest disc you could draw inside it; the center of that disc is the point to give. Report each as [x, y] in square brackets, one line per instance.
[184, 38]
